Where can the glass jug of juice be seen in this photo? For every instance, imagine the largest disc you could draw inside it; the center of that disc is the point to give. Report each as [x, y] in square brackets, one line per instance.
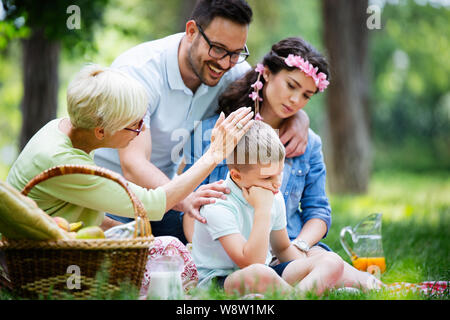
[367, 250]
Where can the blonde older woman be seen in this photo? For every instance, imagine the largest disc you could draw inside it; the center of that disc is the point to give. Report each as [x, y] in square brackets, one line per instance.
[106, 108]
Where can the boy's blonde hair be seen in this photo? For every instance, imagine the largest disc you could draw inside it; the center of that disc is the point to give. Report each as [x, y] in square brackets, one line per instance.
[260, 145]
[105, 97]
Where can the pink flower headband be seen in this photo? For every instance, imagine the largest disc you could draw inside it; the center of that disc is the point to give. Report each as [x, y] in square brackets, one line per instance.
[320, 79]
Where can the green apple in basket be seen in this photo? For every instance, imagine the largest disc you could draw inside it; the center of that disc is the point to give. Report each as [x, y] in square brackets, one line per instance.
[92, 232]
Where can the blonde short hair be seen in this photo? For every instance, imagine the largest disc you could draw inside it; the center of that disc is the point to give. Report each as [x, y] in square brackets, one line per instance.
[105, 97]
[260, 145]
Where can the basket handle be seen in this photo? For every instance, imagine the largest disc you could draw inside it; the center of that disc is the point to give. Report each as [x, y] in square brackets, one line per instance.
[140, 214]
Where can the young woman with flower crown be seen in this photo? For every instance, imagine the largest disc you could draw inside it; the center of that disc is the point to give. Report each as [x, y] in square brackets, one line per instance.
[288, 77]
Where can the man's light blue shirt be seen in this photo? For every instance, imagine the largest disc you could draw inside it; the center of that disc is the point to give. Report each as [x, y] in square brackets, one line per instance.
[173, 108]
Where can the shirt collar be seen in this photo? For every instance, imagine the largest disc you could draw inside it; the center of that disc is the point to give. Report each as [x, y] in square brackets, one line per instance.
[172, 68]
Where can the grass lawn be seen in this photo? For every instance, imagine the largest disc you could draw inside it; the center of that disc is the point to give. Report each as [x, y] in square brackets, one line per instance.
[416, 225]
[416, 240]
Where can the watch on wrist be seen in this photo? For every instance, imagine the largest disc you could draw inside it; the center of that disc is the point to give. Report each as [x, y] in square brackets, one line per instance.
[301, 244]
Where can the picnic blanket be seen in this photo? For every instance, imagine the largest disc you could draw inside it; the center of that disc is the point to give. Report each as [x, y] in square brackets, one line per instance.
[426, 287]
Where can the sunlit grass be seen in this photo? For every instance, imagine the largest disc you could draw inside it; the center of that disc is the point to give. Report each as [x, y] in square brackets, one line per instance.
[213, 293]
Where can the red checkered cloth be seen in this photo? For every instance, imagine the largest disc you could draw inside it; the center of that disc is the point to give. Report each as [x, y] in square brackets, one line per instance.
[427, 287]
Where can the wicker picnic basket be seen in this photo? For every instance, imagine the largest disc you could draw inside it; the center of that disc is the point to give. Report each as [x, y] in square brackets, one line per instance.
[35, 268]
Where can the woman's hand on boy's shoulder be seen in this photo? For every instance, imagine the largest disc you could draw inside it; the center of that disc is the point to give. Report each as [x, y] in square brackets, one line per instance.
[258, 197]
[205, 194]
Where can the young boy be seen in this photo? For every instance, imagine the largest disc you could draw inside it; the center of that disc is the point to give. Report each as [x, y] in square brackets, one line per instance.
[234, 247]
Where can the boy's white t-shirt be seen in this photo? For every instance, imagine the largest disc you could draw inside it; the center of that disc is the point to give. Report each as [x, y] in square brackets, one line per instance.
[224, 217]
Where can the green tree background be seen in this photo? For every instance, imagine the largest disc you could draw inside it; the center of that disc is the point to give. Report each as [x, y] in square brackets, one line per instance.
[409, 67]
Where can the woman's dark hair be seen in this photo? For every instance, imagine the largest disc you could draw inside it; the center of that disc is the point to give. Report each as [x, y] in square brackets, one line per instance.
[237, 93]
[235, 10]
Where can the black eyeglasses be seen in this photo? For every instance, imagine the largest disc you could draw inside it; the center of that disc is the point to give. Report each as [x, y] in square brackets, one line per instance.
[140, 125]
[219, 53]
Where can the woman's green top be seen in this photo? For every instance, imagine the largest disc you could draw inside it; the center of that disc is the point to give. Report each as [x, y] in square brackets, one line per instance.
[76, 197]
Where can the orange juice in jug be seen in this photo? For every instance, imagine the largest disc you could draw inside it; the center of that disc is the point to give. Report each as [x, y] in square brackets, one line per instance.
[365, 263]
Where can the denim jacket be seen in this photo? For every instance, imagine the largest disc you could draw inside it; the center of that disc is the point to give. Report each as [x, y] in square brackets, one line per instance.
[303, 184]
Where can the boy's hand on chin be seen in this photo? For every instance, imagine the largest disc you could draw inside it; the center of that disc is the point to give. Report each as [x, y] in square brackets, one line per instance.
[258, 197]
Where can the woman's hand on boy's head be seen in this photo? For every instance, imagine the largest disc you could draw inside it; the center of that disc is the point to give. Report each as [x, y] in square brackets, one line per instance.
[228, 131]
[258, 197]
[294, 134]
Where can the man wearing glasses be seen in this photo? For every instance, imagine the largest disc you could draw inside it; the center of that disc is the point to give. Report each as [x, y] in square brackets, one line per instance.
[184, 74]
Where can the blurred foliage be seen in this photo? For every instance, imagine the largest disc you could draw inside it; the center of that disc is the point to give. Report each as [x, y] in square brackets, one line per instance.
[10, 30]
[10, 96]
[409, 59]
[52, 16]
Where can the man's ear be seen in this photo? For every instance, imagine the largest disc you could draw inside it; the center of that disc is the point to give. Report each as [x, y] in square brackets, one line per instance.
[99, 133]
[235, 174]
[191, 30]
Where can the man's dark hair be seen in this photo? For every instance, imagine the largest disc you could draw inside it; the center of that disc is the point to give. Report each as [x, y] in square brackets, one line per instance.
[237, 11]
